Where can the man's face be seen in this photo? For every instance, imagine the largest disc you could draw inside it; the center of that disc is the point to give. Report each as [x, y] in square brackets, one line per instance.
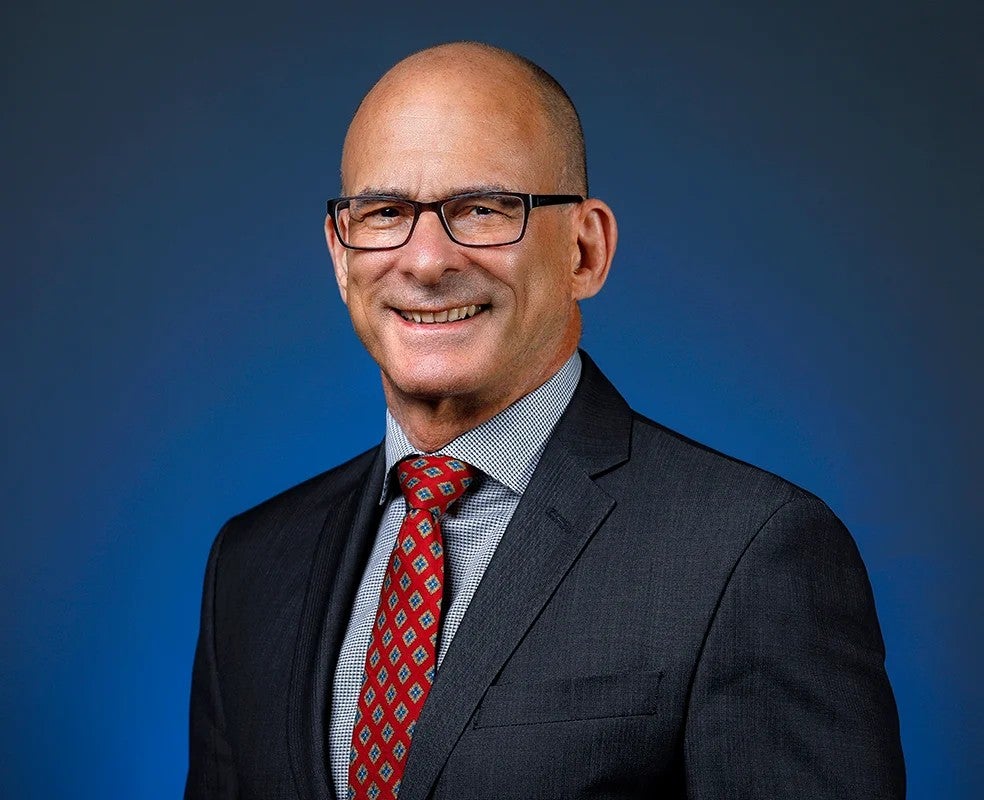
[427, 142]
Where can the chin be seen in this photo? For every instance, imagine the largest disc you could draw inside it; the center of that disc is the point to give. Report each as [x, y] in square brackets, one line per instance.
[436, 387]
[435, 381]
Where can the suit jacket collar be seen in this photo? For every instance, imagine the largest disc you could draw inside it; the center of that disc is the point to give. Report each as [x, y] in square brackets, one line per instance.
[349, 519]
[557, 516]
[559, 512]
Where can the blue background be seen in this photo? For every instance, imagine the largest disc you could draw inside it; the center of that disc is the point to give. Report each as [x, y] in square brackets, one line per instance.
[799, 191]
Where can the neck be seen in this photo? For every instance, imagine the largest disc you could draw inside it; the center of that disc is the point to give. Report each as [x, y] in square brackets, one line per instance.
[431, 422]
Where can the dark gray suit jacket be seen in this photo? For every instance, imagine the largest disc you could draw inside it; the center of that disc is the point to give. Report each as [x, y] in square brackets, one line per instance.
[659, 620]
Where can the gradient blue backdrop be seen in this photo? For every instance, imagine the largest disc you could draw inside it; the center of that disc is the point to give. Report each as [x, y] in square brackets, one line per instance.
[798, 283]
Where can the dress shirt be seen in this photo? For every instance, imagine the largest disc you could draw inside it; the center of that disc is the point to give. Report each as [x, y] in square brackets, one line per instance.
[506, 450]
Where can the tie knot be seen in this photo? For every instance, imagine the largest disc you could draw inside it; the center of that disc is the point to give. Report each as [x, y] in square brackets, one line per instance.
[433, 483]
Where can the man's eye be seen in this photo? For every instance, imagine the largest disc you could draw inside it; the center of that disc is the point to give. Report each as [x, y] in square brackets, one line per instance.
[386, 211]
[380, 213]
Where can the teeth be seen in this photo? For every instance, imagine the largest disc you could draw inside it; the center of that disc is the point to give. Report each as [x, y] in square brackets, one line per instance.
[448, 315]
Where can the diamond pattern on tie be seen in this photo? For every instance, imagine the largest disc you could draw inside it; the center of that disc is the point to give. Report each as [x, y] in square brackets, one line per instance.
[401, 659]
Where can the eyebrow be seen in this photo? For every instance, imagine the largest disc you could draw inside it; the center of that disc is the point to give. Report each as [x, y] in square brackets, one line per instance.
[389, 191]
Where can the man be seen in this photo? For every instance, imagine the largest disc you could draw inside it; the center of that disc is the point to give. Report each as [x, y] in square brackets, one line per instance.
[596, 607]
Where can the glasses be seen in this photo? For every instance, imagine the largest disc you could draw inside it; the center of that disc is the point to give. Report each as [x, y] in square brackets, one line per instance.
[477, 219]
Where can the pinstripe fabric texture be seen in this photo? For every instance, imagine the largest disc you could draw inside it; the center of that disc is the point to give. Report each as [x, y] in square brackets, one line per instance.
[506, 450]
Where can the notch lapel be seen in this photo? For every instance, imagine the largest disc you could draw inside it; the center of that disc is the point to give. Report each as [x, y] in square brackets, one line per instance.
[557, 516]
[343, 549]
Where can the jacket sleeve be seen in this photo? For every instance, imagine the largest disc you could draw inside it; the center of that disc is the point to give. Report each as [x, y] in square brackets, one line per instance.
[790, 696]
[211, 769]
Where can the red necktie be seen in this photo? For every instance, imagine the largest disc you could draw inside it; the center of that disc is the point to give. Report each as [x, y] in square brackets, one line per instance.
[402, 657]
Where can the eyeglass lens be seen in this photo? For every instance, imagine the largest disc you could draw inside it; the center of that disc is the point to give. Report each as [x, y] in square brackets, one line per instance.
[487, 219]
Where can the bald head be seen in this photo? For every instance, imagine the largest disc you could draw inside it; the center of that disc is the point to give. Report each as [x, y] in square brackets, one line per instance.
[462, 330]
[499, 87]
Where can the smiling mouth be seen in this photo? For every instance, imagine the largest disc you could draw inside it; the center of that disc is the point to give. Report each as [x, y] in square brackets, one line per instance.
[445, 315]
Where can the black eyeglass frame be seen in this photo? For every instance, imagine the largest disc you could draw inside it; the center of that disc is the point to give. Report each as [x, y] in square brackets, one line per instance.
[530, 201]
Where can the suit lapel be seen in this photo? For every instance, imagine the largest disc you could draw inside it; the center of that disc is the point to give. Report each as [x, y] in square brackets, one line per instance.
[557, 516]
[343, 548]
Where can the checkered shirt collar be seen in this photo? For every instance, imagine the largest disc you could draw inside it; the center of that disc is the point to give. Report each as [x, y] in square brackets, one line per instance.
[506, 447]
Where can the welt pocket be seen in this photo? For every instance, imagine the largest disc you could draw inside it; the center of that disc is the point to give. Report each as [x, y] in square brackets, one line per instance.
[569, 699]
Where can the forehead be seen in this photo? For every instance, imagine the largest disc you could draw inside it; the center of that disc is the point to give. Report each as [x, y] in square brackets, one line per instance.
[438, 134]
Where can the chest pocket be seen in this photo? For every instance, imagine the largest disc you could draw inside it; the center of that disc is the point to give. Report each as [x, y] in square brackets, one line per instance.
[569, 699]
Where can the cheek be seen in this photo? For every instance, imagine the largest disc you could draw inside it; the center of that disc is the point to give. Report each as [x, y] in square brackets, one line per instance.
[541, 280]
[362, 281]
[549, 291]
[358, 299]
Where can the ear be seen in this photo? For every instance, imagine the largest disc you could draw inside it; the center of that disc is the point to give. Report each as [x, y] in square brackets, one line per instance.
[597, 235]
[339, 257]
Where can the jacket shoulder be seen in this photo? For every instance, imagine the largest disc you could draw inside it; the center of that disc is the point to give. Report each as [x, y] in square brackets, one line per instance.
[688, 470]
[288, 513]
[314, 490]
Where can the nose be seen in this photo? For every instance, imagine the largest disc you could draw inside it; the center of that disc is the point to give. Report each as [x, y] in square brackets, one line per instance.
[430, 252]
